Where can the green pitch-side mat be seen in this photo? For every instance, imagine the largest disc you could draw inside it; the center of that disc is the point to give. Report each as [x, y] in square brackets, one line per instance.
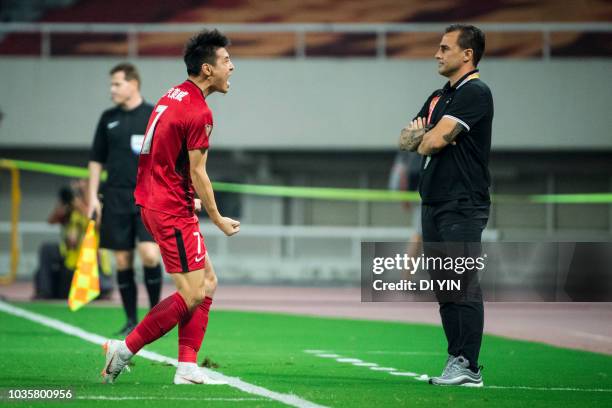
[323, 361]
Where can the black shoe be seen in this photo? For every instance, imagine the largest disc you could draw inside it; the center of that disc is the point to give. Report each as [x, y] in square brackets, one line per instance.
[127, 329]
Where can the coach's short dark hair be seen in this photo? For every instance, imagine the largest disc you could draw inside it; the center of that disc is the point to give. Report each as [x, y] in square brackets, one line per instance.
[202, 48]
[129, 70]
[469, 37]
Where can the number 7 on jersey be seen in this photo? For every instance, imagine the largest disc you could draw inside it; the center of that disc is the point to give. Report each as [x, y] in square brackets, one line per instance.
[146, 145]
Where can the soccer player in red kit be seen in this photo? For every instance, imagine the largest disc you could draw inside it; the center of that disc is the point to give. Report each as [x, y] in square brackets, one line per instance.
[171, 169]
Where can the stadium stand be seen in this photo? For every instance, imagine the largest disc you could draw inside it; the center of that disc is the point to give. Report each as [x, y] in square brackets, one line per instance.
[399, 45]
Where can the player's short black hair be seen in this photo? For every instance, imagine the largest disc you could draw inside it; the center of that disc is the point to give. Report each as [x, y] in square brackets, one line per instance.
[469, 37]
[202, 48]
[129, 70]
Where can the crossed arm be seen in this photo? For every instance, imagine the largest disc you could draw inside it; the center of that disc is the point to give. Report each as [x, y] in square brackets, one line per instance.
[426, 140]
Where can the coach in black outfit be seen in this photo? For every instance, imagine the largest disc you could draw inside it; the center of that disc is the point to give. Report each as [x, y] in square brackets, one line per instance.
[116, 147]
[453, 134]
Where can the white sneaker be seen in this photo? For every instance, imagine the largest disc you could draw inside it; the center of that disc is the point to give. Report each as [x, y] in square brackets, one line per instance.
[116, 361]
[190, 373]
[458, 373]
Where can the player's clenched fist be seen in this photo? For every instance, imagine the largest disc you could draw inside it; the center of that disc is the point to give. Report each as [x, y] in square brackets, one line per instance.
[228, 226]
[197, 205]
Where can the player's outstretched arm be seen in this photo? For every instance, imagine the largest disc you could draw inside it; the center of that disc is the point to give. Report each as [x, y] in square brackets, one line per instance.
[203, 187]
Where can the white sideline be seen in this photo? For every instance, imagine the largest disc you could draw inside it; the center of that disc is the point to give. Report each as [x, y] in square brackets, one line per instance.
[288, 399]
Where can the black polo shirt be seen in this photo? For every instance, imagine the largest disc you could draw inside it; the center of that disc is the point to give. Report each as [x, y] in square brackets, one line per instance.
[117, 144]
[461, 170]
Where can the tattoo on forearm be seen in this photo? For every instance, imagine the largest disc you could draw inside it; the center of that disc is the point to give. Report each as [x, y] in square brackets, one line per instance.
[410, 139]
[450, 137]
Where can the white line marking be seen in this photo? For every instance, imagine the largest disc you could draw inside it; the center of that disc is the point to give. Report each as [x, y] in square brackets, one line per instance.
[403, 373]
[425, 377]
[349, 360]
[315, 351]
[328, 355]
[288, 399]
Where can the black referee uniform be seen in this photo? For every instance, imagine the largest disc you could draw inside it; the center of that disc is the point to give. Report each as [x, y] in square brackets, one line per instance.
[116, 145]
[454, 188]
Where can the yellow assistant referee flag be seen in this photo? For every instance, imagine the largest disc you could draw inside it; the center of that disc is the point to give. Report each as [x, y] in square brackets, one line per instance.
[85, 282]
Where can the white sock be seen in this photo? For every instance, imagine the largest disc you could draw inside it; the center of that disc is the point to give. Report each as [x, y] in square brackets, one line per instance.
[124, 351]
[184, 366]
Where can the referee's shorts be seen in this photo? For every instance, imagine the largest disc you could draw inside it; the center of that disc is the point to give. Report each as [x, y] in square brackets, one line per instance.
[119, 231]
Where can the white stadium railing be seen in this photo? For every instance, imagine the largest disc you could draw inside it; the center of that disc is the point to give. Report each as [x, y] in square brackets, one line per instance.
[298, 29]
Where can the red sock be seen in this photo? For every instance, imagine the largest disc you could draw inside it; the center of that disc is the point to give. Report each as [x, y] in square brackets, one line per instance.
[159, 321]
[191, 332]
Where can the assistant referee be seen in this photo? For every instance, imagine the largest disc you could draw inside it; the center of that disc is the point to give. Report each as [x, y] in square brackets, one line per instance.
[453, 134]
[116, 147]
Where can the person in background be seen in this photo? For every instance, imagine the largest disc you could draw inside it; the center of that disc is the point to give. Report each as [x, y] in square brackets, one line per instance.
[58, 260]
[116, 147]
[404, 176]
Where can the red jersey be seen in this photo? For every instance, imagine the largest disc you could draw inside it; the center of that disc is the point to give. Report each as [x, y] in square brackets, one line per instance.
[181, 121]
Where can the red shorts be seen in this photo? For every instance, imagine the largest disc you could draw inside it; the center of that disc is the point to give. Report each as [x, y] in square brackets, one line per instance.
[180, 242]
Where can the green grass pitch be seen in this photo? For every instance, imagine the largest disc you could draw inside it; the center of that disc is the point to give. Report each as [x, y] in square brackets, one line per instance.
[268, 350]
